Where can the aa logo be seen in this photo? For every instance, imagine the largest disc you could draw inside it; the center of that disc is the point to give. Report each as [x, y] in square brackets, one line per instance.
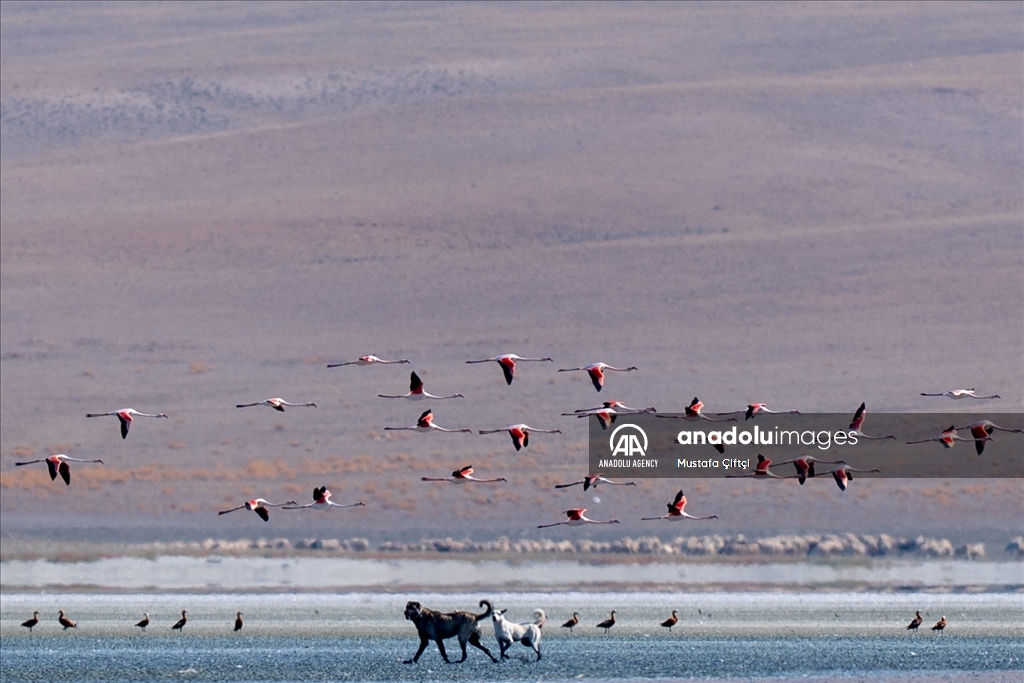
[628, 443]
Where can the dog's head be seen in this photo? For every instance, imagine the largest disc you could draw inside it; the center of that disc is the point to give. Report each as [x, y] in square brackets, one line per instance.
[498, 615]
[412, 609]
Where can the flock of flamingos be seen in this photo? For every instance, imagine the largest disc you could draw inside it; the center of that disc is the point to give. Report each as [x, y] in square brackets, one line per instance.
[981, 432]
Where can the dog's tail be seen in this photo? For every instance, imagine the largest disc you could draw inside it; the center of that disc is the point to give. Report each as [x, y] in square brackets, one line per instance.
[539, 618]
[489, 611]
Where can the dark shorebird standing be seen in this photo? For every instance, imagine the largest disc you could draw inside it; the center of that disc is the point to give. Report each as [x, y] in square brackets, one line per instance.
[238, 622]
[31, 623]
[180, 625]
[940, 624]
[671, 621]
[607, 623]
[65, 622]
[571, 624]
[915, 622]
[144, 623]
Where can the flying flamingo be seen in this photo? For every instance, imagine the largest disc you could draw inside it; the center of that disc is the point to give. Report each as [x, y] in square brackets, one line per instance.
[520, 433]
[180, 624]
[755, 409]
[125, 415]
[607, 414]
[949, 437]
[65, 622]
[940, 624]
[575, 518]
[805, 465]
[915, 622]
[238, 622]
[425, 424]
[983, 430]
[571, 623]
[671, 621]
[592, 480]
[508, 363]
[464, 475]
[31, 623]
[58, 464]
[858, 422]
[619, 406]
[597, 370]
[259, 506]
[367, 360]
[322, 501]
[762, 470]
[961, 393]
[607, 623]
[276, 404]
[677, 511]
[844, 475]
[693, 413]
[145, 621]
[416, 392]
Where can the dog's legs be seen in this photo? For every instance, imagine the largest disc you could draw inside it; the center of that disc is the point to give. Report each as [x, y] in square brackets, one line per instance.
[423, 646]
[475, 641]
[504, 645]
[444, 655]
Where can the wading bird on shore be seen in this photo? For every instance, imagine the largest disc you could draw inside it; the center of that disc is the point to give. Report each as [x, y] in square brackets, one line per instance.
[238, 622]
[597, 370]
[125, 415]
[755, 409]
[916, 621]
[940, 624]
[462, 476]
[858, 422]
[671, 621]
[425, 424]
[575, 518]
[949, 437]
[145, 622]
[982, 431]
[416, 392]
[571, 623]
[65, 622]
[276, 403]
[607, 623]
[58, 464]
[508, 363]
[367, 360]
[322, 501]
[592, 481]
[844, 475]
[180, 624]
[677, 511]
[961, 393]
[805, 465]
[520, 433]
[259, 506]
[31, 623]
[761, 470]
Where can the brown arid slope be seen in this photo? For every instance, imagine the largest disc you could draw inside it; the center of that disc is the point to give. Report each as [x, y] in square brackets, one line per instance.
[809, 205]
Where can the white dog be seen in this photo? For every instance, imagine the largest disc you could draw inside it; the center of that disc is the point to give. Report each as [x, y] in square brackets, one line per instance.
[527, 633]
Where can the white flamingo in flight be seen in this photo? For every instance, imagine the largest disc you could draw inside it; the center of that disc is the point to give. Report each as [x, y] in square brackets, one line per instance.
[367, 360]
[762, 470]
[426, 424]
[858, 422]
[677, 510]
[416, 392]
[755, 409]
[961, 393]
[322, 501]
[592, 481]
[276, 403]
[949, 437]
[508, 363]
[125, 415]
[575, 517]
[982, 431]
[58, 464]
[463, 476]
[805, 465]
[844, 475]
[259, 506]
[597, 370]
[520, 433]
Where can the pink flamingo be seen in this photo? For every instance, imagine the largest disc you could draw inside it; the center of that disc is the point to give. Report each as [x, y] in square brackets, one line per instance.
[762, 470]
[275, 403]
[597, 370]
[677, 511]
[858, 422]
[961, 393]
[322, 501]
[949, 437]
[464, 475]
[416, 392]
[125, 415]
[805, 465]
[425, 424]
[259, 506]
[755, 409]
[58, 464]
[844, 475]
[592, 480]
[575, 517]
[983, 430]
[520, 433]
[508, 363]
[366, 360]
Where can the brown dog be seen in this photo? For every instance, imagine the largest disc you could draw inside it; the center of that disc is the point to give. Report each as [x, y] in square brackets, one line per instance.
[438, 626]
